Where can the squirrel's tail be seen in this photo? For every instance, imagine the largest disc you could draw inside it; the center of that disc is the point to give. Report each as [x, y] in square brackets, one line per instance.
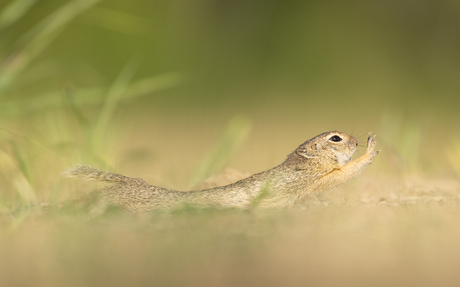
[90, 173]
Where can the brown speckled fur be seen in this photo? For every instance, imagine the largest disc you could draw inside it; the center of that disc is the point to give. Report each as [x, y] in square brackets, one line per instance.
[317, 165]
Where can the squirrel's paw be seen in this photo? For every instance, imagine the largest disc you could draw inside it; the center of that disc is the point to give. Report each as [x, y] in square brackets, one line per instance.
[371, 145]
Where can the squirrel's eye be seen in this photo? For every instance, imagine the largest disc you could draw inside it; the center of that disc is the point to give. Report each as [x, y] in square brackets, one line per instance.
[335, 139]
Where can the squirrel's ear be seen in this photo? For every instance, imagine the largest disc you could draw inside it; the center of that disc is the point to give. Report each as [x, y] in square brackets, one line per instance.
[307, 151]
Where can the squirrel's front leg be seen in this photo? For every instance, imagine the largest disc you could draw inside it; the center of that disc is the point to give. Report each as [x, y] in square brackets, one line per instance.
[370, 153]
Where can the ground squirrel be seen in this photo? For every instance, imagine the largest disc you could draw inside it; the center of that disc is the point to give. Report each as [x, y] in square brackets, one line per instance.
[318, 164]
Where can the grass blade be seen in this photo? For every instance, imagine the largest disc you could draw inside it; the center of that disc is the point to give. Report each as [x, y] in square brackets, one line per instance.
[17, 179]
[231, 140]
[40, 37]
[115, 94]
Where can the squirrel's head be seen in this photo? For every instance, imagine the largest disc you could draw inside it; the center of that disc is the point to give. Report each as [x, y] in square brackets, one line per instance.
[334, 148]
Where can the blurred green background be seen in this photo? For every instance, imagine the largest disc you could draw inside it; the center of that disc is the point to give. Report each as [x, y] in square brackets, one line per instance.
[152, 87]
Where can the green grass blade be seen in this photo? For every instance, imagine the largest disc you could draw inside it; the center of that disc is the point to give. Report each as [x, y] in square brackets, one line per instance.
[115, 94]
[40, 37]
[23, 162]
[231, 140]
[17, 179]
[87, 96]
[98, 134]
[33, 142]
